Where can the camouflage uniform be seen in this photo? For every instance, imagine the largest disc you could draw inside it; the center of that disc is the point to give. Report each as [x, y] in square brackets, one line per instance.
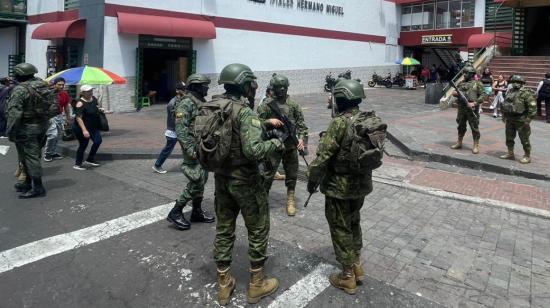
[344, 193]
[289, 156]
[239, 186]
[519, 108]
[474, 92]
[186, 109]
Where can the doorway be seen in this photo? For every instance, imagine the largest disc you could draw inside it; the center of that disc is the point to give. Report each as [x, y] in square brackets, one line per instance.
[162, 69]
[537, 27]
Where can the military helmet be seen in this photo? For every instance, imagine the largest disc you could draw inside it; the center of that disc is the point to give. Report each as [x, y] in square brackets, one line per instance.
[279, 81]
[197, 78]
[517, 79]
[236, 74]
[24, 69]
[469, 69]
[349, 89]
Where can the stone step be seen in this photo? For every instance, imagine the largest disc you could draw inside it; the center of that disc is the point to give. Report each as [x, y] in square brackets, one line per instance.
[513, 58]
[507, 70]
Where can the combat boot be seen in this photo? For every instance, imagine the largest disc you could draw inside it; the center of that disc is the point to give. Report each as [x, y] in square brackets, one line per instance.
[358, 271]
[475, 149]
[290, 203]
[509, 155]
[526, 158]
[344, 280]
[23, 186]
[259, 286]
[458, 144]
[198, 215]
[227, 284]
[37, 189]
[176, 217]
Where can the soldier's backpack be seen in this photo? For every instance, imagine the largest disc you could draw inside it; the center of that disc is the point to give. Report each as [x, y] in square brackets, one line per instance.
[213, 132]
[363, 146]
[43, 99]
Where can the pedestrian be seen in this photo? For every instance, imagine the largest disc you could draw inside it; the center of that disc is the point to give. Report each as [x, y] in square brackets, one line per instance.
[86, 127]
[186, 110]
[273, 113]
[170, 132]
[425, 75]
[543, 94]
[469, 112]
[519, 109]
[238, 186]
[499, 87]
[433, 73]
[5, 88]
[27, 123]
[487, 81]
[346, 178]
[56, 123]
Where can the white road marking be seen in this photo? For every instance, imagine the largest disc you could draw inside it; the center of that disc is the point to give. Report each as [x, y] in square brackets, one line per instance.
[32, 252]
[4, 149]
[306, 289]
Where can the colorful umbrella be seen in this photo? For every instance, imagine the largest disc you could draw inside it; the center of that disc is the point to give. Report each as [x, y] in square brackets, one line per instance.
[88, 75]
[409, 61]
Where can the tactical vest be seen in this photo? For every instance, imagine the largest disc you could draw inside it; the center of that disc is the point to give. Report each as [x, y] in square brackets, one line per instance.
[236, 154]
[545, 86]
[513, 104]
[470, 90]
[41, 104]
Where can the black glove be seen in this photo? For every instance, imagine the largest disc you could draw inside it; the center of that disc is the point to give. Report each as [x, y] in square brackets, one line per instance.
[311, 187]
[278, 134]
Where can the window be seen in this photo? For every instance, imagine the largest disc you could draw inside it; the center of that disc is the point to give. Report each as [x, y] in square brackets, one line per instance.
[442, 15]
[455, 11]
[416, 23]
[468, 11]
[428, 16]
[71, 4]
[406, 18]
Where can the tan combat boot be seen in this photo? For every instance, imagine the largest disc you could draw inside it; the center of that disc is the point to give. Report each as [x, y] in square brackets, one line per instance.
[526, 158]
[279, 176]
[475, 149]
[227, 285]
[344, 280]
[509, 155]
[260, 287]
[359, 272]
[290, 203]
[458, 144]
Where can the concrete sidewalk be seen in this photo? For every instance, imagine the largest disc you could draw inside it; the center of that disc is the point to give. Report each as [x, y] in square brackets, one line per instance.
[420, 131]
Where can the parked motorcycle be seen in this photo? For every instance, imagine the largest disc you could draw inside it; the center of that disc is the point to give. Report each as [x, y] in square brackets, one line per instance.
[330, 81]
[379, 80]
[399, 80]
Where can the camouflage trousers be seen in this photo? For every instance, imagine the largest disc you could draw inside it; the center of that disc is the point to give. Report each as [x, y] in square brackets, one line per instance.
[250, 199]
[29, 143]
[197, 178]
[464, 116]
[344, 221]
[517, 125]
[289, 158]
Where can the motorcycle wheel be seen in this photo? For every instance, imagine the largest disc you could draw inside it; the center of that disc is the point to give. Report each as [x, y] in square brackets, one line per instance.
[401, 84]
[388, 84]
[371, 83]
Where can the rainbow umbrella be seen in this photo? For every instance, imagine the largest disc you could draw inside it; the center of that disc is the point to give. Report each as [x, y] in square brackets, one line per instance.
[409, 61]
[88, 75]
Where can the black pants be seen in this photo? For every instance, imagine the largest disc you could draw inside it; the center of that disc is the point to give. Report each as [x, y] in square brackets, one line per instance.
[83, 142]
[3, 123]
[546, 98]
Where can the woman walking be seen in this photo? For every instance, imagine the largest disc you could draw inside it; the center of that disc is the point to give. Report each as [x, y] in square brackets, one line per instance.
[86, 127]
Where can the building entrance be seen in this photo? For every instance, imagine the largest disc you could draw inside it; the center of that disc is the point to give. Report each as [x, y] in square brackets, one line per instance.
[443, 62]
[537, 26]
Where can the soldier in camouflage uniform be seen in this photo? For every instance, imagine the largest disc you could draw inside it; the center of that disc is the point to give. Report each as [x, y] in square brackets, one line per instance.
[186, 110]
[239, 187]
[27, 125]
[474, 92]
[289, 108]
[519, 109]
[344, 192]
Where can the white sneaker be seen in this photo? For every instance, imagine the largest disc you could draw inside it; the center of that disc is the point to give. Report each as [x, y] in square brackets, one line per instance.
[92, 163]
[159, 170]
[78, 167]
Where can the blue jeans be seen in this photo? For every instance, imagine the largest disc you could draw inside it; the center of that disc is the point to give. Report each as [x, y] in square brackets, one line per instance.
[95, 136]
[56, 125]
[166, 151]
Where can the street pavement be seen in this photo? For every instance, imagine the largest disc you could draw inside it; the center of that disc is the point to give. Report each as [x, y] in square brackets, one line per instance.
[435, 235]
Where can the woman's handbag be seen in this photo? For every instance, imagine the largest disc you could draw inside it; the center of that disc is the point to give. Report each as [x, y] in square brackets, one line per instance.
[103, 123]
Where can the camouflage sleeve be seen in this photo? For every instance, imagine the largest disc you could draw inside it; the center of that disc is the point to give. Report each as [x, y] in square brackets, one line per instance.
[184, 117]
[14, 111]
[254, 147]
[481, 90]
[264, 112]
[328, 147]
[529, 99]
[301, 127]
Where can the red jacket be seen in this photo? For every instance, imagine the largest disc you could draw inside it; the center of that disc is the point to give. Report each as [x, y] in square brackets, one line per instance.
[63, 99]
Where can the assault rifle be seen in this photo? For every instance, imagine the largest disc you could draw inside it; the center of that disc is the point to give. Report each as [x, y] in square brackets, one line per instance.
[462, 99]
[289, 127]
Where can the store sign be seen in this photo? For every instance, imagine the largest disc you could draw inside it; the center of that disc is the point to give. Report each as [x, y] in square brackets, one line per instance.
[437, 39]
[305, 5]
[164, 42]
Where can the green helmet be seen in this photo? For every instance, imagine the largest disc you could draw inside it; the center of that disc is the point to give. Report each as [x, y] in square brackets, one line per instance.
[236, 74]
[349, 89]
[279, 81]
[517, 79]
[197, 78]
[24, 69]
[469, 69]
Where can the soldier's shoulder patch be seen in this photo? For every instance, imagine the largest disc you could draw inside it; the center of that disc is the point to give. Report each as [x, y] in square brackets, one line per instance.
[179, 114]
[256, 123]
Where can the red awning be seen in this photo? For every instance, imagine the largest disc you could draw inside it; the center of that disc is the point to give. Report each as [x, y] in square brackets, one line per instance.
[61, 29]
[165, 26]
[503, 39]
